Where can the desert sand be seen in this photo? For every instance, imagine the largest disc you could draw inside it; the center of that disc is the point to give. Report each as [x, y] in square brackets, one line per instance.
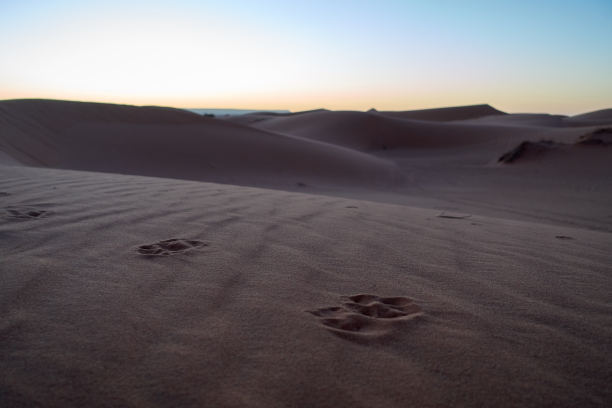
[437, 258]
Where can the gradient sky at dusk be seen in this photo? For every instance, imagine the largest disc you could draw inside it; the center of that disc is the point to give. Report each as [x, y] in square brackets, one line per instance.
[519, 56]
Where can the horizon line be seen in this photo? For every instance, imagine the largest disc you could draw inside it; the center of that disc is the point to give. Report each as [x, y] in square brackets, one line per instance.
[191, 107]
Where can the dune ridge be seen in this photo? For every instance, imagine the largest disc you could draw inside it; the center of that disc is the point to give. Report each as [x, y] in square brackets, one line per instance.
[599, 117]
[446, 114]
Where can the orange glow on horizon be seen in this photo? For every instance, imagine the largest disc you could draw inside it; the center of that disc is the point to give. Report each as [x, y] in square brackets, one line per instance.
[205, 56]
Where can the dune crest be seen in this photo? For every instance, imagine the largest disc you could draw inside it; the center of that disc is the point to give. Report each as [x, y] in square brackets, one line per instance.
[599, 117]
[446, 114]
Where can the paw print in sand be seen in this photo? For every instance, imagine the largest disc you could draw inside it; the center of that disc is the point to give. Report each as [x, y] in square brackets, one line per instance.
[26, 212]
[169, 247]
[363, 317]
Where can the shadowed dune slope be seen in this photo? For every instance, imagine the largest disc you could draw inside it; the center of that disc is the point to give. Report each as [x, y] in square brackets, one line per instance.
[528, 150]
[173, 143]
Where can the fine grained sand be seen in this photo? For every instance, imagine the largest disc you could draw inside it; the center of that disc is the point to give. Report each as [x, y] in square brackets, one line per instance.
[448, 279]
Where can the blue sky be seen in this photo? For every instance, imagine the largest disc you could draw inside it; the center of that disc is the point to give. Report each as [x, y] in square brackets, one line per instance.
[520, 56]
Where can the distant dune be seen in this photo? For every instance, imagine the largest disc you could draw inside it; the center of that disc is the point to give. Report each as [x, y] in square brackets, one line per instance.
[254, 117]
[232, 112]
[446, 114]
[376, 131]
[603, 114]
[523, 119]
[600, 117]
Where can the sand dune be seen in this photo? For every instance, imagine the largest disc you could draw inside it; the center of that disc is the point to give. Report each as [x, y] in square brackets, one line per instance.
[396, 262]
[600, 117]
[395, 160]
[598, 137]
[446, 114]
[368, 131]
[523, 119]
[545, 120]
[172, 143]
[435, 115]
[527, 150]
[29, 127]
[255, 117]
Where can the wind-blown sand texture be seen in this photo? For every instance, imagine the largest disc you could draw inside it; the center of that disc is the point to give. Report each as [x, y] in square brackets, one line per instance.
[154, 257]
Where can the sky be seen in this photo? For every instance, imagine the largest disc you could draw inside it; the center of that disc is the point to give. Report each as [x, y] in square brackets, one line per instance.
[518, 56]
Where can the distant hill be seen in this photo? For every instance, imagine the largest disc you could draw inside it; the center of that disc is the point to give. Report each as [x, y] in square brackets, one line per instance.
[232, 112]
[446, 114]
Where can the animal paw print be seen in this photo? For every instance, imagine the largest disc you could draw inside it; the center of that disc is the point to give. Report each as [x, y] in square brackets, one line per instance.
[367, 316]
[25, 213]
[169, 247]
